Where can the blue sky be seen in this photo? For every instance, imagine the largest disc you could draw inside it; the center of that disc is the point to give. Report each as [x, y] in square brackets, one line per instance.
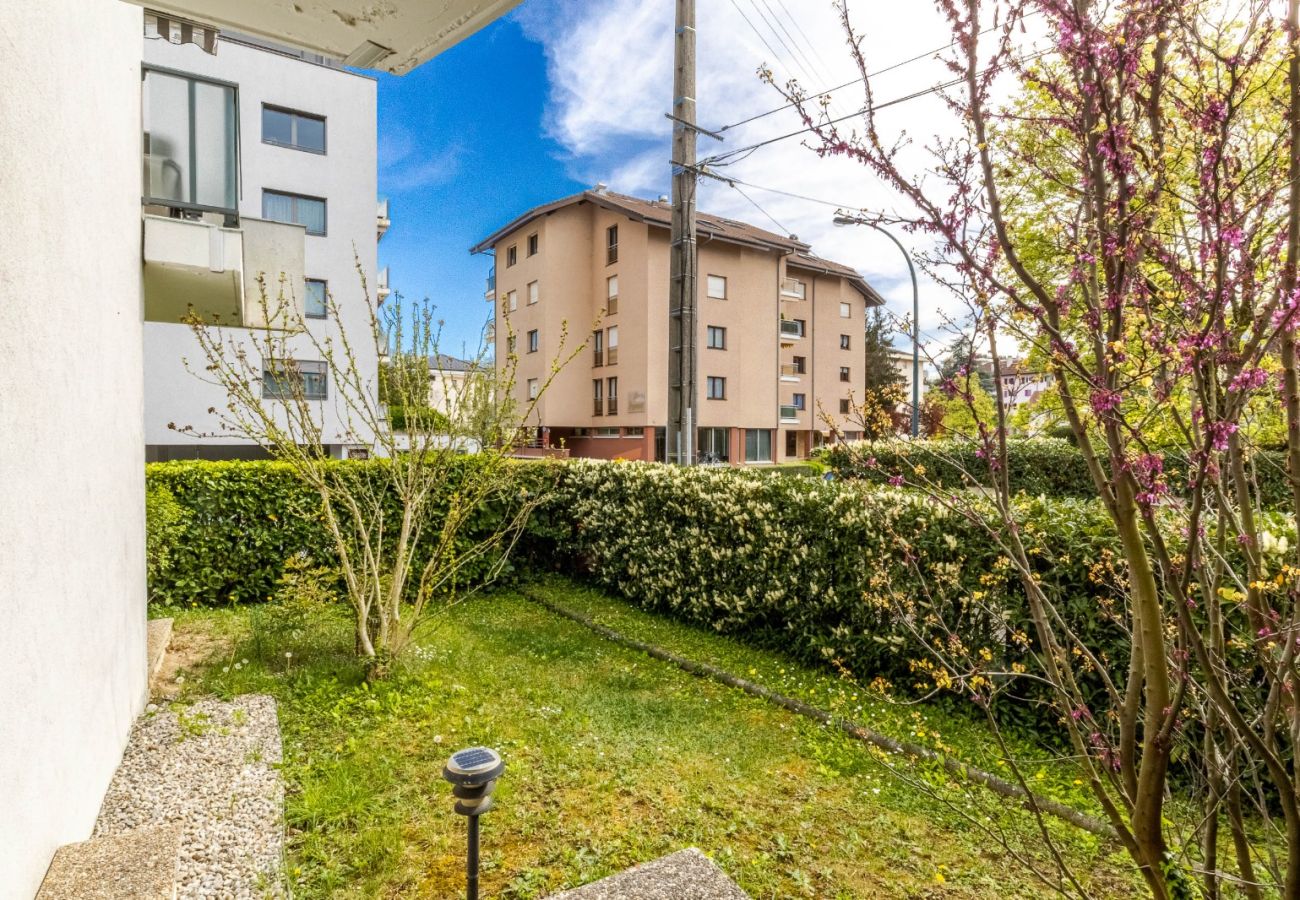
[456, 165]
[561, 94]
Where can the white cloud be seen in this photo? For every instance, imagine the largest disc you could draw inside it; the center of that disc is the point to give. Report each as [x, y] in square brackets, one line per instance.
[402, 168]
[610, 70]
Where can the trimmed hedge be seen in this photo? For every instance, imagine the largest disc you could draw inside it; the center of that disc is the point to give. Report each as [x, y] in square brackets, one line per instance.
[1051, 467]
[243, 520]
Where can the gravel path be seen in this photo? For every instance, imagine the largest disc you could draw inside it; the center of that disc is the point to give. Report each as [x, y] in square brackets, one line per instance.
[211, 767]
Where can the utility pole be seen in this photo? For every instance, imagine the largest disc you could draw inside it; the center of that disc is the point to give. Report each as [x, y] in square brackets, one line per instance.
[679, 441]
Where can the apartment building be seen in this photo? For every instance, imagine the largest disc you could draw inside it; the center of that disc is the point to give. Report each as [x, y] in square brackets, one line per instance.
[252, 135]
[75, 287]
[780, 331]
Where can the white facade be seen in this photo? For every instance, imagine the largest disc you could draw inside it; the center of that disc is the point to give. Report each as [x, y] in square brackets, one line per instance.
[902, 363]
[72, 581]
[72, 557]
[344, 175]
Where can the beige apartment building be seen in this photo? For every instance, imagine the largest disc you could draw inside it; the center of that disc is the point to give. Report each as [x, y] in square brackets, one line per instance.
[780, 350]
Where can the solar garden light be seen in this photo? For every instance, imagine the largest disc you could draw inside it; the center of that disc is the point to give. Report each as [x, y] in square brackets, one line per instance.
[473, 774]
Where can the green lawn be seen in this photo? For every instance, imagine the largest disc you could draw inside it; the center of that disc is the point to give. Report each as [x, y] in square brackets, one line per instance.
[615, 758]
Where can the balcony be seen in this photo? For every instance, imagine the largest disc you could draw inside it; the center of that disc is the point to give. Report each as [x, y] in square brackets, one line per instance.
[790, 372]
[381, 285]
[793, 289]
[789, 414]
[792, 328]
[490, 290]
[381, 218]
[199, 267]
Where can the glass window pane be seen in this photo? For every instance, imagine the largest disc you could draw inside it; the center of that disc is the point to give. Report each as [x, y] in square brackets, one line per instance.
[311, 133]
[312, 214]
[277, 126]
[214, 145]
[167, 137]
[277, 207]
[316, 306]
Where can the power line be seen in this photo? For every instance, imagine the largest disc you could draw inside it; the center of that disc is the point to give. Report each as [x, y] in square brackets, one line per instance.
[723, 158]
[793, 46]
[860, 79]
[776, 57]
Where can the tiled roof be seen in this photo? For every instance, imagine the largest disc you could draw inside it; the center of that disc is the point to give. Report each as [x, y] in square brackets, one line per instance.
[708, 227]
[444, 363]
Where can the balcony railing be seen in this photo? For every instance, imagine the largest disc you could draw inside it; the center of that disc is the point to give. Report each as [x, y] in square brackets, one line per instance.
[790, 370]
[599, 357]
[490, 290]
[381, 284]
[611, 306]
[791, 328]
[611, 356]
[789, 413]
[611, 406]
[381, 216]
[191, 153]
[598, 407]
[793, 289]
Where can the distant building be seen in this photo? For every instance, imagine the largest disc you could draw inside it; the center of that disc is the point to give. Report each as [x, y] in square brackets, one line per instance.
[1022, 384]
[779, 340]
[290, 145]
[902, 362]
[447, 376]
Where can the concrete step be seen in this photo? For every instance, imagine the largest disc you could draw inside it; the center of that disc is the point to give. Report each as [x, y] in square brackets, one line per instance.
[140, 864]
[160, 636]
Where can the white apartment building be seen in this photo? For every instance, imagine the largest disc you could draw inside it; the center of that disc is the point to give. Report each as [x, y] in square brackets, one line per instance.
[293, 141]
[78, 264]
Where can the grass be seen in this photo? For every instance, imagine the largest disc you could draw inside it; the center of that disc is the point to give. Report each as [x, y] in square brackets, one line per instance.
[614, 758]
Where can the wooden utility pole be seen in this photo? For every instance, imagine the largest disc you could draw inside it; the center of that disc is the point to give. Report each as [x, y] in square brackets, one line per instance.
[679, 442]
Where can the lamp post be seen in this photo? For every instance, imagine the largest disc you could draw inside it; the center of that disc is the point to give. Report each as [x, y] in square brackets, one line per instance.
[843, 219]
[473, 774]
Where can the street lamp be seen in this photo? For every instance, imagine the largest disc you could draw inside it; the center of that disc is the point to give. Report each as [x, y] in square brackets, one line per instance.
[843, 219]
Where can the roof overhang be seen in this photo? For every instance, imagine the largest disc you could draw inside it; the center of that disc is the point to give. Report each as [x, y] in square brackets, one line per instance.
[390, 35]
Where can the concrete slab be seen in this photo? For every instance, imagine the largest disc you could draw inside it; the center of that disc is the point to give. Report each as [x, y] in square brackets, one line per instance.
[140, 864]
[685, 875]
[160, 636]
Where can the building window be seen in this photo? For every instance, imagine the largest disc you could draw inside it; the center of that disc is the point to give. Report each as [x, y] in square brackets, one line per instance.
[717, 388]
[844, 342]
[758, 445]
[293, 379]
[532, 245]
[512, 255]
[532, 388]
[533, 292]
[801, 365]
[289, 128]
[597, 397]
[717, 337]
[800, 402]
[846, 311]
[611, 301]
[717, 287]
[512, 301]
[532, 341]
[611, 396]
[317, 304]
[611, 245]
[598, 348]
[792, 443]
[844, 407]
[611, 344]
[844, 373]
[511, 343]
[295, 209]
[191, 146]
[714, 445]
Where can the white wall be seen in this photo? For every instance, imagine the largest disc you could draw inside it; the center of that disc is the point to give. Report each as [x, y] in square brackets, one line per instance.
[345, 175]
[72, 591]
